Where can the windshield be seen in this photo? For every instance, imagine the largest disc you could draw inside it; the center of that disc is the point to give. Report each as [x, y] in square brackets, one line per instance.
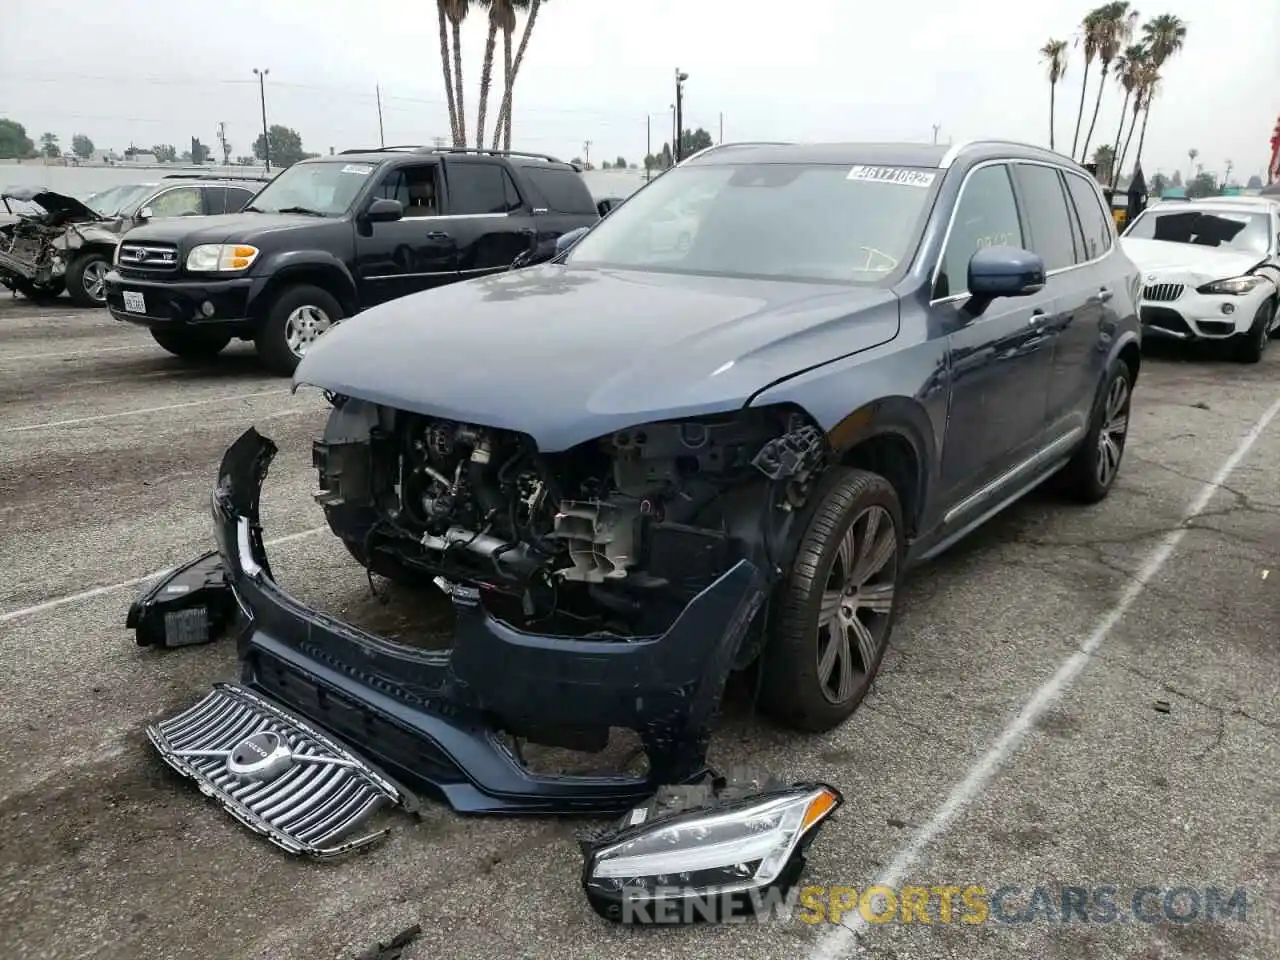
[118, 200]
[325, 188]
[787, 221]
[1237, 230]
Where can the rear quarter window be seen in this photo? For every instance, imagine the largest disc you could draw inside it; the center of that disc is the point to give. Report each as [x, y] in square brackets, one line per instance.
[563, 190]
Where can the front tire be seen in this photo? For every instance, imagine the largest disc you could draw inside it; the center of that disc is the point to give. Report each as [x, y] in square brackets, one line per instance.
[298, 316]
[1091, 473]
[87, 279]
[1252, 345]
[41, 295]
[835, 611]
[191, 344]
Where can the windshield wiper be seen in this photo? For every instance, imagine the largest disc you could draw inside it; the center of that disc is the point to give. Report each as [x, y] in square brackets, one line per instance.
[304, 210]
[252, 209]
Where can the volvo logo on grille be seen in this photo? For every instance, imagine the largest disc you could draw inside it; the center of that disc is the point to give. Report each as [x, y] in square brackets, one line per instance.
[263, 756]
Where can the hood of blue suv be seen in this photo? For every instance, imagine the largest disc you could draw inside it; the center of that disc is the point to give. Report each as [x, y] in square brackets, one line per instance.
[565, 354]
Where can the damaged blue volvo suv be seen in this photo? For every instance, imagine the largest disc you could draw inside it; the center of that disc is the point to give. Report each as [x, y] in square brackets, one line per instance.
[650, 462]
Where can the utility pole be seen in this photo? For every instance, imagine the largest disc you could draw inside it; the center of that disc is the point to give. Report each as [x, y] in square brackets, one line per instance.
[677, 147]
[586, 153]
[222, 141]
[382, 141]
[936, 128]
[262, 92]
[648, 144]
[438, 142]
[721, 139]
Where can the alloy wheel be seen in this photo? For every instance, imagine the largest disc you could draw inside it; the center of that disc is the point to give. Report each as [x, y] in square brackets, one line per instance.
[1115, 428]
[856, 604]
[303, 327]
[94, 279]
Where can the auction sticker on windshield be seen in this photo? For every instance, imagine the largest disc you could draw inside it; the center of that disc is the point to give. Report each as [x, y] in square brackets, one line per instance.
[359, 168]
[900, 175]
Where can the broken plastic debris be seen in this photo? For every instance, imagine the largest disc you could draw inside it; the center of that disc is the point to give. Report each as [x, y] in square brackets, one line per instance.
[1162, 706]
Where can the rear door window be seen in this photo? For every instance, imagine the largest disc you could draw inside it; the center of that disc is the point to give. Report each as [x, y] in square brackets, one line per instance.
[476, 188]
[237, 199]
[1053, 230]
[1094, 222]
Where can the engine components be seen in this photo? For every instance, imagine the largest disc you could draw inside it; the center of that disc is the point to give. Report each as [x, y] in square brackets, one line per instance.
[601, 539]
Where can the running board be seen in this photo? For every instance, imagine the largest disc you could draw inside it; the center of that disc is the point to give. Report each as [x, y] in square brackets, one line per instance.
[274, 773]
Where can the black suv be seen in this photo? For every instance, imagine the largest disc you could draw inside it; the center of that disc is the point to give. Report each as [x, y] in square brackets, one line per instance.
[331, 236]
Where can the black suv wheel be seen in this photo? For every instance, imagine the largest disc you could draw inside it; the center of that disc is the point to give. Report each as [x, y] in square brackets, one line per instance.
[835, 611]
[191, 344]
[298, 316]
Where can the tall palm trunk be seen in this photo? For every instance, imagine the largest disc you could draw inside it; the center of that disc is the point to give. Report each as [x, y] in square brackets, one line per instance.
[1102, 86]
[486, 76]
[444, 66]
[1084, 88]
[499, 121]
[1142, 137]
[1129, 137]
[460, 138]
[505, 111]
[1115, 167]
[1053, 90]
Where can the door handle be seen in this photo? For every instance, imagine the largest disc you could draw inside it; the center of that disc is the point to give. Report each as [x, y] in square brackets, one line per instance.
[1104, 295]
[437, 235]
[1037, 317]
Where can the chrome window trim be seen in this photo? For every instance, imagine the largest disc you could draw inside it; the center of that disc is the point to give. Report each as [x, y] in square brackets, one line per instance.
[946, 237]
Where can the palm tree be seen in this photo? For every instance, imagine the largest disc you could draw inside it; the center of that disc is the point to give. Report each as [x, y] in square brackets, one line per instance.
[1150, 84]
[1104, 158]
[500, 11]
[504, 112]
[1090, 27]
[1054, 53]
[1164, 36]
[1115, 27]
[457, 11]
[442, 8]
[508, 30]
[1129, 66]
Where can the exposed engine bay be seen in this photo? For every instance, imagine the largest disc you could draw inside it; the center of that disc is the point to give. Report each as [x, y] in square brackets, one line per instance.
[34, 248]
[610, 538]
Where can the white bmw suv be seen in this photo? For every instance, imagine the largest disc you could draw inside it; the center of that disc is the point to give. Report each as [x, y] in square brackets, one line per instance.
[1210, 271]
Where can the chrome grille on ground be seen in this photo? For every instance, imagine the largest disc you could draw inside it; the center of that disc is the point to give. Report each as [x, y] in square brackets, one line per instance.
[1162, 292]
[272, 772]
[148, 256]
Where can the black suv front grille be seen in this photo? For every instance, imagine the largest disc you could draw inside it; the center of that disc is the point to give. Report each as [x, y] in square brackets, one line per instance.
[148, 257]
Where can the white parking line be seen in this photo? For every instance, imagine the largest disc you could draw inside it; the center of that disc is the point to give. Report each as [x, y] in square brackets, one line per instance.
[137, 413]
[845, 940]
[64, 355]
[112, 587]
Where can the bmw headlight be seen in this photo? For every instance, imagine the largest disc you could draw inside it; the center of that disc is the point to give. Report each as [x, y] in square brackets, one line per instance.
[218, 257]
[1236, 286]
[705, 852]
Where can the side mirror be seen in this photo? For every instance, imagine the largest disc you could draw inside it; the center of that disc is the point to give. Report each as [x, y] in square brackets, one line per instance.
[1005, 272]
[607, 205]
[567, 240]
[384, 210]
[146, 213]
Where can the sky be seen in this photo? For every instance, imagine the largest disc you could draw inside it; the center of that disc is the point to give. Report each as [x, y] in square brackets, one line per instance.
[160, 71]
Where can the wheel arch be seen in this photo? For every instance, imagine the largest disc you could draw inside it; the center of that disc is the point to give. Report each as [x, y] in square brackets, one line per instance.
[890, 437]
[327, 273]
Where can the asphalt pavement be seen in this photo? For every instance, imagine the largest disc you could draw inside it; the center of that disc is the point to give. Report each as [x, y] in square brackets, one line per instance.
[1075, 698]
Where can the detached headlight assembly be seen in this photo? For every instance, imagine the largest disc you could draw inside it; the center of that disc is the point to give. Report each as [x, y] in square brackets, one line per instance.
[221, 257]
[1236, 286]
[711, 852]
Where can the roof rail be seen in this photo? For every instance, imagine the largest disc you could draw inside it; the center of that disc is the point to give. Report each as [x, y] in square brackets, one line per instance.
[420, 148]
[214, 176]
[735, 143]
[955, 149]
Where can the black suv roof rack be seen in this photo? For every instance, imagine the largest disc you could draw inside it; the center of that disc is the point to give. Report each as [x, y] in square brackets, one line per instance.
[422, 148]
[214, 176]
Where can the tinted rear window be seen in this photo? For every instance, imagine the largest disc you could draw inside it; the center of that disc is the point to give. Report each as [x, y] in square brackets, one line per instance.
[562, 189]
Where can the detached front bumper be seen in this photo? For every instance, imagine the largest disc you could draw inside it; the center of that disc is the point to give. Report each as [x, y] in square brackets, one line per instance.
[431, 721]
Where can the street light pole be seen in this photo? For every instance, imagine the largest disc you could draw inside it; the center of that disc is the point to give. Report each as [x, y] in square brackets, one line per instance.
[648, 144]
[677, 148]
[262, 93]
